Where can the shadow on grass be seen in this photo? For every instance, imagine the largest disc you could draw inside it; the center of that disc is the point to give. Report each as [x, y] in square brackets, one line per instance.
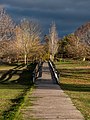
[75, 87]
[75, 73]
[10, 114]
[24, 76]
[24, 82]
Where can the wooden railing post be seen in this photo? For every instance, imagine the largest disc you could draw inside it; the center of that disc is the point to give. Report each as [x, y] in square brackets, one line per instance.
[37, 71]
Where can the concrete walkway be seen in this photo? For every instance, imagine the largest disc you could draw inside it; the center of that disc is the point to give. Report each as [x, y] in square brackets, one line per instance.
[50, 102]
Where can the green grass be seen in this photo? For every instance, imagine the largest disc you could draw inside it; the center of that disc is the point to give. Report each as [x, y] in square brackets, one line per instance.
[27, 103]
[75, 81]
[15, 82]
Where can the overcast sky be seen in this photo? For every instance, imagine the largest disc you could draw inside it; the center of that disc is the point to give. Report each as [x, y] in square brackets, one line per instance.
[67, 14]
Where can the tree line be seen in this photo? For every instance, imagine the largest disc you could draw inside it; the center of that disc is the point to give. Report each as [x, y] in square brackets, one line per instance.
[22, 42]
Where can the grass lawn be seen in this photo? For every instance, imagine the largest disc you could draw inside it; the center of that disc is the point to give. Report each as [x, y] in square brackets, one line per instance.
[15, 82]
[75, 81]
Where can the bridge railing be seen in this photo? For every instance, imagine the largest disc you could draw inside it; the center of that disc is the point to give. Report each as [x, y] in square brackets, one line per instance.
[54, 72]
[37, 71]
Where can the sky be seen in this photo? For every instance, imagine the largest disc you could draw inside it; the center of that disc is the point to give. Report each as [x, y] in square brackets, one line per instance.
[67, 14]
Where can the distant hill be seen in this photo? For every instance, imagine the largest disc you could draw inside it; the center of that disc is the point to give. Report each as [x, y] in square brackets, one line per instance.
[83, 33]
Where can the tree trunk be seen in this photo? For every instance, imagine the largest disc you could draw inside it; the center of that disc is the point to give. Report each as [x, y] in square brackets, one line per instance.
[25, 59]
[84, 59]
[52, 57]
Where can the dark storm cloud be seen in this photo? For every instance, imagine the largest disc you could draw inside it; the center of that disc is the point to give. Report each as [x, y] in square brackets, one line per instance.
[68, 14]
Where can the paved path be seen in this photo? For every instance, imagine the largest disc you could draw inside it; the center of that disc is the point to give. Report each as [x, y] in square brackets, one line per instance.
[50, 102]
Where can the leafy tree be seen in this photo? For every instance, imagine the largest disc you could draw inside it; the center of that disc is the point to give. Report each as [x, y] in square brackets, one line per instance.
[46, 47]
[61, 48]
[72, 47]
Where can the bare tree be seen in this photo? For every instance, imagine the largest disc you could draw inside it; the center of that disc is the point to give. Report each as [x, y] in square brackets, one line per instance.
[7, 50]
[6, 26]
[6, 34]
[53, 42]
[27, 38]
